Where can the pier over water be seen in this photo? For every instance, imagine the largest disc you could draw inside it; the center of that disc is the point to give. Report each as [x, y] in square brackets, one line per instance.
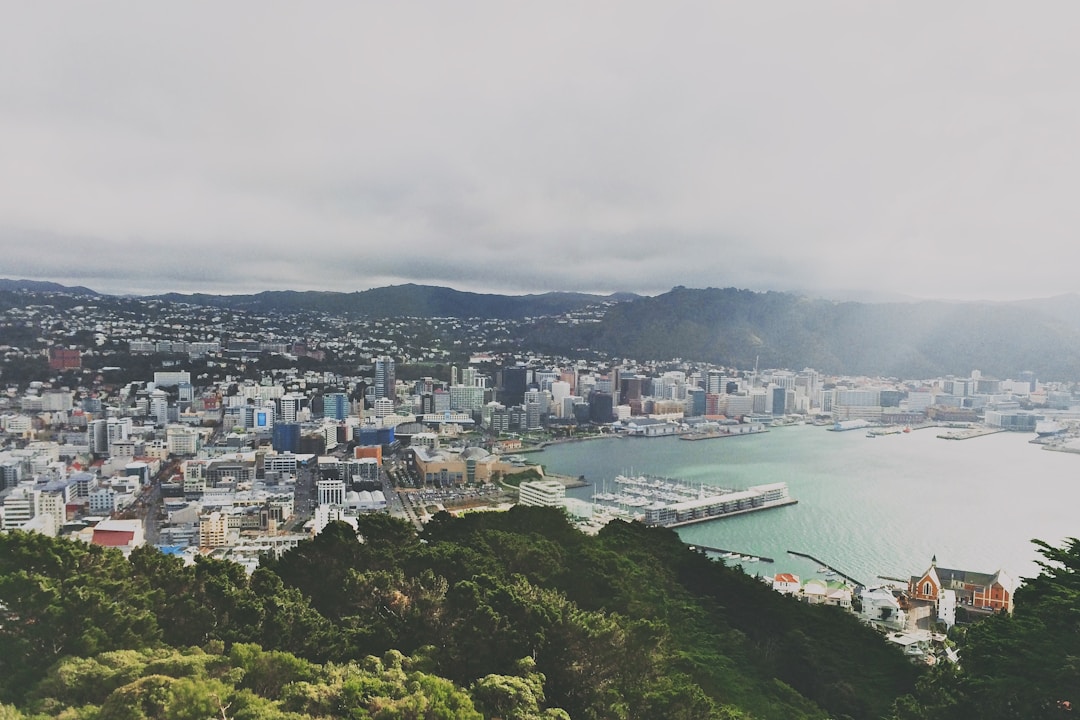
[671, 503]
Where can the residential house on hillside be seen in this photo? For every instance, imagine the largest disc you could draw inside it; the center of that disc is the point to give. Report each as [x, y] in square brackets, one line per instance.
[827, 592]
[786, 583]
[881, 606]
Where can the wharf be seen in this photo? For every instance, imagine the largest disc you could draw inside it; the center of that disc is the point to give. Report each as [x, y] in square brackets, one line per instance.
[823, 564]
[732, 554]
[725, 433]
[968, 433]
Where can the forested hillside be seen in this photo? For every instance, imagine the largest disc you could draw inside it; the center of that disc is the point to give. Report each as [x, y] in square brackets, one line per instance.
[496, 615]
[510, 615]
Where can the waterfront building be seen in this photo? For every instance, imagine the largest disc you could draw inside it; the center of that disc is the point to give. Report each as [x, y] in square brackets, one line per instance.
[544, 493]
[443, 468]
[601, 409]
[713, 506]
[979, 590]
[786, 583]
[1014, 421]
[760, 398]
[858, 412]
[532, 415]
[866, 397]
[738, 405]
[696, 402]
[649, 427]
[714, 381]
[567, 407]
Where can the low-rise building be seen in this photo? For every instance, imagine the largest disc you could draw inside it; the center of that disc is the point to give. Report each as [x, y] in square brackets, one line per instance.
[980, 590]
[786, 583]
[543, 493]
[881, 606]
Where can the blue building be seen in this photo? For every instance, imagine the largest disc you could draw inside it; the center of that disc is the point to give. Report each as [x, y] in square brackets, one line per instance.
[336, 406]
[286, 437]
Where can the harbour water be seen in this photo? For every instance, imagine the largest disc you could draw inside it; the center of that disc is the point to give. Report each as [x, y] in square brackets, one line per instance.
[867, 506]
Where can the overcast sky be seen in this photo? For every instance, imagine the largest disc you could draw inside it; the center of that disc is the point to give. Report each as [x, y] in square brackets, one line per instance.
[925, 149]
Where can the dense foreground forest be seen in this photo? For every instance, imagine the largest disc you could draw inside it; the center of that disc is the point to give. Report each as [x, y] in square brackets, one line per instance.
[494, 615]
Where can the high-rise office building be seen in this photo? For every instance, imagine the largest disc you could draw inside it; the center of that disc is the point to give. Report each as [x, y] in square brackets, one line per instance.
[289, 407]
[336, 406]
[514, 383]
[385, 378]
[159, 406]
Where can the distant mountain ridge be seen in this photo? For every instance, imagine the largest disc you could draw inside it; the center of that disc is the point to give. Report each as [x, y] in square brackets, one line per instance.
[741, 328]
[43, 286]
[729, 326]
[408, 300]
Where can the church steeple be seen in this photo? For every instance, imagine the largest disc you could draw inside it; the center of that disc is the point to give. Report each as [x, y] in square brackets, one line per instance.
[933, 561]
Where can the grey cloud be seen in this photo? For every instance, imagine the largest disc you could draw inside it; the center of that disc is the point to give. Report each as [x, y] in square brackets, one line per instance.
[896, 148]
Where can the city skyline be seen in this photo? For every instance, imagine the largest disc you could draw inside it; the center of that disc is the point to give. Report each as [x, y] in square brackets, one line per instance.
[884, 152]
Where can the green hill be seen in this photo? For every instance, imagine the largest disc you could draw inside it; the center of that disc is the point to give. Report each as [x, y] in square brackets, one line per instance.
[499, 614]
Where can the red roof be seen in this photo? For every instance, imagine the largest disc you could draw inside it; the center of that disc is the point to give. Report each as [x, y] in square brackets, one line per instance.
[112, 538]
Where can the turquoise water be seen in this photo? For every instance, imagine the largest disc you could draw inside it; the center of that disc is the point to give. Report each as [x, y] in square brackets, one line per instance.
[867, 506]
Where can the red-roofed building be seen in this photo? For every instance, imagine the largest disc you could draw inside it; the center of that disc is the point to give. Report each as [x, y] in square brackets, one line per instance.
[123, 534]
[64, 359]
[786, 583]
